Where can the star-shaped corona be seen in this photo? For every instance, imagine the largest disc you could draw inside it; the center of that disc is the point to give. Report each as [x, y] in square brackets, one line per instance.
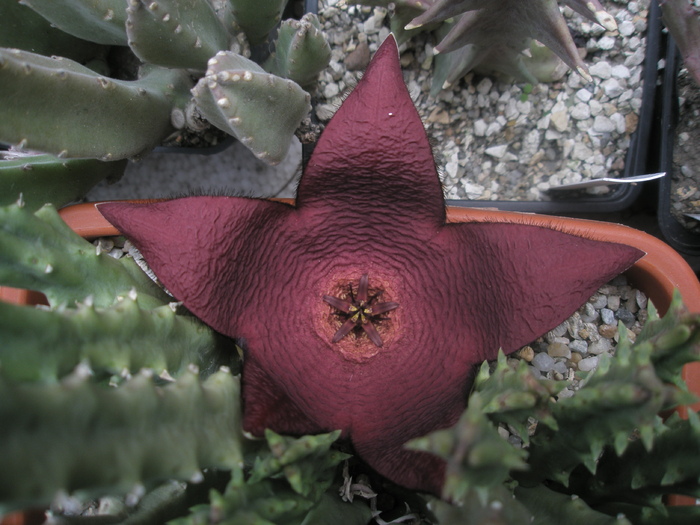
[361, 312]
[368, 230]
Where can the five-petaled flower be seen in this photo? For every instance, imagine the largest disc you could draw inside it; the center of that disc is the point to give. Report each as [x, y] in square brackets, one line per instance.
[369, 203]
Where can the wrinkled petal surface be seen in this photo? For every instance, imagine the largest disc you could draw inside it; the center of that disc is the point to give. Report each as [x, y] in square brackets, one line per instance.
[369, 203]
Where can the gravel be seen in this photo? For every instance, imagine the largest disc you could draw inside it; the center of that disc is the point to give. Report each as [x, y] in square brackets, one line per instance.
[685, 187]
[502, 141]
[574, 346]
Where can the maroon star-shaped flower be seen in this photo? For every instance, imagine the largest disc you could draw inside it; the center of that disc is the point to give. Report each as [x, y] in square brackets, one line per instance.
[358, 308]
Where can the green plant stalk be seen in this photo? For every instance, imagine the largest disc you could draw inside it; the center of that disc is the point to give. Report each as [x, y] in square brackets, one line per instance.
[671, 467]
[23, 28]
[551, 508]
[478, 458]
[291, 482]
[256, 19]
[500, 507]
[40, 345]
[66, 109]
[301, 51]
[38, 251]
[299, 461]
[100, 21]
[261, 110]
[42, 179]
[75, 435]
[175, 34]
[621, 395]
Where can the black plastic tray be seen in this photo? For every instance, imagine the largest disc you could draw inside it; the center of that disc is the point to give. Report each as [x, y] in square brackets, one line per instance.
[636, 161]
[675, 234]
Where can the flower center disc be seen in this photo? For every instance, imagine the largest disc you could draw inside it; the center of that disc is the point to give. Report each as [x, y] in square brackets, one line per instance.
[360, 317]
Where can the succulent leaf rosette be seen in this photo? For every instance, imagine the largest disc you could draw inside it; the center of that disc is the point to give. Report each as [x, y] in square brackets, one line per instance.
[501, 37]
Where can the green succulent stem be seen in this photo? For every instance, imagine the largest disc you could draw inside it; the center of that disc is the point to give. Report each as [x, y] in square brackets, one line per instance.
[100, 21]
[175, 34]
[43, 179]
[40, 345]
[259, 109]
[77, 435]
[38, 251]
[66, 109]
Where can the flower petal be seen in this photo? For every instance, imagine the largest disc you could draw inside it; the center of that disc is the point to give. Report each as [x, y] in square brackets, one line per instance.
[375, 153]
[197, 247]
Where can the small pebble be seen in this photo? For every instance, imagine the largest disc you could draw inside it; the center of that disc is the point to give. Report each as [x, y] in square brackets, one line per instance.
[607, 316]
[578, 346]
[588, 364]
[527, 353]
[607, 330]
[559, 350]
[358, 59]
[600, 346]
[627, 317]
[543, 362]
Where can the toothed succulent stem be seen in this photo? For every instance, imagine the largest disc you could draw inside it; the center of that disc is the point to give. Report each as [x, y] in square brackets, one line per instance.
[491, 36]
[176, 34]
[79, 435]
[121, 339]
[256, 19]
[66, 109]
[603, 455]
[289, 483]
[23, 28]
[100, 21]
[301, 51]
[38, 251]
[259, 109]
[43, 179]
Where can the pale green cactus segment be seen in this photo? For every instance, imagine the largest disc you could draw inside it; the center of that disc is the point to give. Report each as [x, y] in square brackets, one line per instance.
[176, 34]
[40, 345]
[299, 461]
[43, 179]
[261, 110]
[78, 435]
[23, 28]
[101, 21]
[478, 458]
[301, 51]
[255, 18]
[38, 251]
[63, 108]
